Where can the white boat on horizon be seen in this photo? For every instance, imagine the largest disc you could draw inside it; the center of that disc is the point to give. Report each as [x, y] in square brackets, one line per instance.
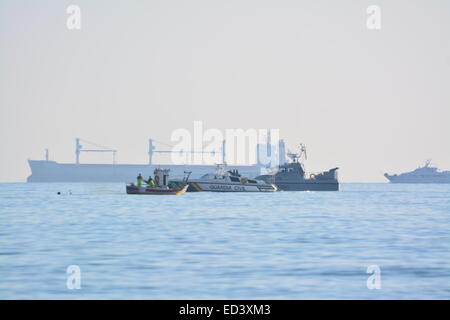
[424, 174]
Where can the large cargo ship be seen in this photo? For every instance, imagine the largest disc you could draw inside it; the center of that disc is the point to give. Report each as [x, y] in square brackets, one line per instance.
[52, 171]
[423, 174]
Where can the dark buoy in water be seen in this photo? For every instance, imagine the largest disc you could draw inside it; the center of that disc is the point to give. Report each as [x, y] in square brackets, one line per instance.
[59, 193]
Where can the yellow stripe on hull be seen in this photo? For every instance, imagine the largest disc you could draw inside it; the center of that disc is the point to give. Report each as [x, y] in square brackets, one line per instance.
[196, 186]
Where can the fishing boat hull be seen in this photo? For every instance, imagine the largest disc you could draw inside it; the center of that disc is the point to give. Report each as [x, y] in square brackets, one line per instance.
[132, 189]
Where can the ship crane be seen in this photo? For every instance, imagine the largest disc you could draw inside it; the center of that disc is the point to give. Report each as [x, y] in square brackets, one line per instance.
[79, 149]
[152, 150]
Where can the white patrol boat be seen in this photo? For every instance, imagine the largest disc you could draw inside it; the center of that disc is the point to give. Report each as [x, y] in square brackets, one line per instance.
[228, 181]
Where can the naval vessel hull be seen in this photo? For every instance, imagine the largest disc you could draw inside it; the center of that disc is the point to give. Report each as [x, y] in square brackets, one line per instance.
[291, 177]
[308, 186]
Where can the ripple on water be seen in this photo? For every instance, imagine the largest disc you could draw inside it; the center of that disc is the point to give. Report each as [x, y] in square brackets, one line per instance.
[287, 245]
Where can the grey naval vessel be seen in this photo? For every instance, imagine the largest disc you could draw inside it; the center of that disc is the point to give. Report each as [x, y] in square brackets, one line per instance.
[291, 176]
[423, 174]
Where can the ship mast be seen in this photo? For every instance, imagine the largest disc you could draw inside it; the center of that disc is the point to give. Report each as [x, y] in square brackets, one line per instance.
[295, 157]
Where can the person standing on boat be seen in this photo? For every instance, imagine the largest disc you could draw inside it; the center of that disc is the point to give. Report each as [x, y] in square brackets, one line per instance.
[139, 180]
[150, 181]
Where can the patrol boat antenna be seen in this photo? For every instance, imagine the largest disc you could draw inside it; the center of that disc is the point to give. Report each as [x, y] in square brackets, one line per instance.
[296, 156]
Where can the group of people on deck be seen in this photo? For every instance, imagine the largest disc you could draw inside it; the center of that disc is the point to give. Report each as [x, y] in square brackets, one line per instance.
[140, 179]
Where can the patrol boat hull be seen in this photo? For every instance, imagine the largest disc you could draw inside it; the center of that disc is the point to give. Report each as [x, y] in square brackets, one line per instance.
[197, 186]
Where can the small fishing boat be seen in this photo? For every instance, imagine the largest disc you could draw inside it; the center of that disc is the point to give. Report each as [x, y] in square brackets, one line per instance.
[228, 181]
[160, 185]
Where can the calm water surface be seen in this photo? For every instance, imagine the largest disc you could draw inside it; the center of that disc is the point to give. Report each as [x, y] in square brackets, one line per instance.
[286, 245]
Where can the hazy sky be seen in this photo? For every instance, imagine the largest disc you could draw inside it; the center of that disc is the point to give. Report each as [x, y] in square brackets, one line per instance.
[366, 101]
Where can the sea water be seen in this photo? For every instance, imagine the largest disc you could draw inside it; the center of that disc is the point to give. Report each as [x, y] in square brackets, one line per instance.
[284, 245]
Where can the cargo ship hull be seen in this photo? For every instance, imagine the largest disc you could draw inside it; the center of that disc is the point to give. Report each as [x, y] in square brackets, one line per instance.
[52, 171]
